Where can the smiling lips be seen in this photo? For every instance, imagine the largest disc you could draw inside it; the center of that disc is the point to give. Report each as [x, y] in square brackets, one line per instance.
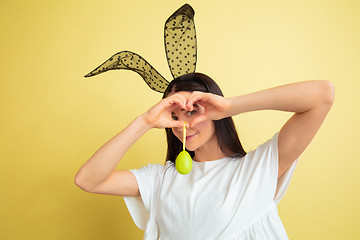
[189, 137]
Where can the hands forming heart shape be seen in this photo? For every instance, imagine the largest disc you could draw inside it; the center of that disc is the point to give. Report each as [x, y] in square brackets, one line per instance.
[192, 107]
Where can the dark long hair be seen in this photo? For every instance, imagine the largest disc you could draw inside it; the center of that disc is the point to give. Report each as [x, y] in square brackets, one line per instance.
[224, 128]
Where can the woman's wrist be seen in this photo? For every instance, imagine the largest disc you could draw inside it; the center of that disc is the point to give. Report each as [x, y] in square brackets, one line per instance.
[145, 125]
[228, 107]
[232, 106]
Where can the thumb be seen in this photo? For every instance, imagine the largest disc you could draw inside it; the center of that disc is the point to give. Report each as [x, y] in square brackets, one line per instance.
[175, 124]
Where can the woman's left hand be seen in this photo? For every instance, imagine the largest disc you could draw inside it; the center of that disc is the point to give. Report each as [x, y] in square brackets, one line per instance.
[215, 107]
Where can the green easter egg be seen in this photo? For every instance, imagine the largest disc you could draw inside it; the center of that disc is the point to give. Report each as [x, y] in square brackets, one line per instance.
[183, 162]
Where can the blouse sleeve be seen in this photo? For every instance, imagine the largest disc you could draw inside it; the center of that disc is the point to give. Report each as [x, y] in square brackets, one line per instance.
[147, 179]
[284, 181]
[264, 161]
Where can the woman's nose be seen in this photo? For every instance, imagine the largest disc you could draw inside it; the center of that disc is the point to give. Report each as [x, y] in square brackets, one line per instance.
[184, 117]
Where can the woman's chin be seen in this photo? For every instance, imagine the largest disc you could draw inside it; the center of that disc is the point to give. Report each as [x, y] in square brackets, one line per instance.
[190, 148]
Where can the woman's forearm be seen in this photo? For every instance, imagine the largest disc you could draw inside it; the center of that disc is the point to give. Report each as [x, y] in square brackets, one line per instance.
[296, 97]
[104, 161]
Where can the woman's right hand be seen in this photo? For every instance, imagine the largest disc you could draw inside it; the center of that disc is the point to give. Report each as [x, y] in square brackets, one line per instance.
[159, 115]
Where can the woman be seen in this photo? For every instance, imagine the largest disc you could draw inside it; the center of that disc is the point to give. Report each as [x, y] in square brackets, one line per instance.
[228, 194]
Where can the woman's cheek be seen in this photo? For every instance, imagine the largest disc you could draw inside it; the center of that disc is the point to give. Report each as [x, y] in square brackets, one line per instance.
[177, 134]
[203, 125]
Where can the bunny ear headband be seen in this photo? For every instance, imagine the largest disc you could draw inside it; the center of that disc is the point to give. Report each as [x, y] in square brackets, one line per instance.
[180, 48]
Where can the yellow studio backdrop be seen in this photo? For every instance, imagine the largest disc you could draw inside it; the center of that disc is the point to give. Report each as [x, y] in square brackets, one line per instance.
[53, 119]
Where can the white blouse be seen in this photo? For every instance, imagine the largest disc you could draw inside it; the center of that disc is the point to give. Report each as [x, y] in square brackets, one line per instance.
[229, 198]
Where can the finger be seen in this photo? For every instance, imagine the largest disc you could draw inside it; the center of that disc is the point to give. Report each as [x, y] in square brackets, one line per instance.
[194, 99]
[178, 100]
[178, 94]
[185, 99]
[201, 108]
[175, 124]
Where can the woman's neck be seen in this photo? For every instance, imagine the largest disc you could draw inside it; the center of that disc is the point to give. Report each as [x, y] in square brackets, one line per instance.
[209, 151]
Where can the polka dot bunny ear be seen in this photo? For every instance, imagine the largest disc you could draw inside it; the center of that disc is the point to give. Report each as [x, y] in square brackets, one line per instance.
[180, 41]
[180, 48]
[132, 61]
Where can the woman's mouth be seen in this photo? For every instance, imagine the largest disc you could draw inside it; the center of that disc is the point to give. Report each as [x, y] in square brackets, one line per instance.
[189, 137]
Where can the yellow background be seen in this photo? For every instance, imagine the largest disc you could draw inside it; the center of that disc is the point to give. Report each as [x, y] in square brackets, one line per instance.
[53, 119]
